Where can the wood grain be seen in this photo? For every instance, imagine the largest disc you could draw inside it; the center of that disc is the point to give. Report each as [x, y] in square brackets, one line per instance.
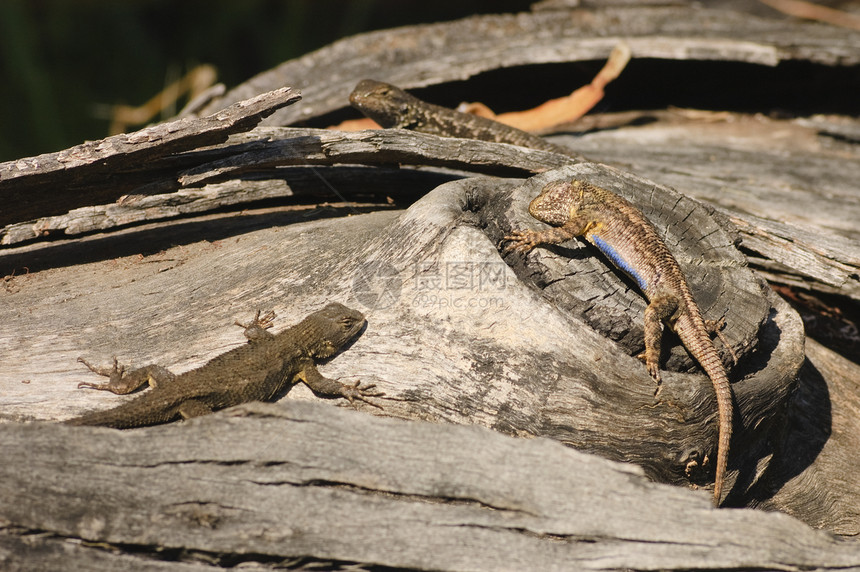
[341, 487]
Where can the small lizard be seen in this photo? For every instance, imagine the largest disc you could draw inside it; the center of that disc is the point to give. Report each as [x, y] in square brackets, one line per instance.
[629, 240]
[256, 371]
[392, 107]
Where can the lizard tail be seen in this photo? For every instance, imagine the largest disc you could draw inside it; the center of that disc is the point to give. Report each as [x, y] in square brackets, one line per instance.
[706, 354]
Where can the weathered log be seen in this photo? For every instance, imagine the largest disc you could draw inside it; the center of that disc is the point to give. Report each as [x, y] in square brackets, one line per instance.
[455, 336]
[443, 307]
[264, 483]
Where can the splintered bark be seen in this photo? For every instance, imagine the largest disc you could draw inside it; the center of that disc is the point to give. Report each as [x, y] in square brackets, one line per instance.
[99, 171]
[249, 167]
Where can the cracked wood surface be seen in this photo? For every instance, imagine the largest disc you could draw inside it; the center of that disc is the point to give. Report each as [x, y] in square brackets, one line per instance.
[475, 348]
[343, 488]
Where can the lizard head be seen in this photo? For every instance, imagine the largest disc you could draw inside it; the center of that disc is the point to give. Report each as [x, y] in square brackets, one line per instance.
[386, 104]
[332, 328]
[557, 202]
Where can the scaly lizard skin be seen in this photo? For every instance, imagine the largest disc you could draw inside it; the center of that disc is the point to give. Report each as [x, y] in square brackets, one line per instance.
[392, 107]
[256, 371]
[623, 234]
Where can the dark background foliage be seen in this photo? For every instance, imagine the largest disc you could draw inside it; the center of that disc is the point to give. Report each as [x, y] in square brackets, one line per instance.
[64, 63]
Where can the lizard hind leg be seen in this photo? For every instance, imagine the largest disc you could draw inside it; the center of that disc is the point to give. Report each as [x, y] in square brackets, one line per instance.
[658, 311]
[193, 408]
[716, 327]
[121, 383]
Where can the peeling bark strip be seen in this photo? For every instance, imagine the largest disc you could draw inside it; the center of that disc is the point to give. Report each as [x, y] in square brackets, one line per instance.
[313, 183]
[265, 151]
[286, 146]
[55, 183]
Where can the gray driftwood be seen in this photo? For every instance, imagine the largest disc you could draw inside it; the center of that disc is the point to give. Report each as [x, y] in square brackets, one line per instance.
[350, 491]
[417, 56]
[534, 347]
[454, 335]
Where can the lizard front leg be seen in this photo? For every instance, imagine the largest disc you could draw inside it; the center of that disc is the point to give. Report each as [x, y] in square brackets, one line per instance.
[328, 387]
[120, 383]
[256, 330]
[524, 240]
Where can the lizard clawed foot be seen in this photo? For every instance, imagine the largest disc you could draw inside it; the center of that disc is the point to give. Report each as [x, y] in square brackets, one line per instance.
[519, 241]
[356, 392]
[653, 371]
[255, 330]
[265, 322]
[716, 327]
[114, 374]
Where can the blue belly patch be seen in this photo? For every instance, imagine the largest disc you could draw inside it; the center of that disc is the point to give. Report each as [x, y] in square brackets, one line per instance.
[618, 261]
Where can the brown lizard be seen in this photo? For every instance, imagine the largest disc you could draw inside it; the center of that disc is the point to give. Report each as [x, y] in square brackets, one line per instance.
[392, 107]
[256, 371]
[629, 240]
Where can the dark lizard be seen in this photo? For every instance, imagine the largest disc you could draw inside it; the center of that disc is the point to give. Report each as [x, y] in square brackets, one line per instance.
[256, 371]
[625, 236]
[392, 107]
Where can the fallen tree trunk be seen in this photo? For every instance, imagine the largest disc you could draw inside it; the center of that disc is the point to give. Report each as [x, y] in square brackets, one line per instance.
[340, 488]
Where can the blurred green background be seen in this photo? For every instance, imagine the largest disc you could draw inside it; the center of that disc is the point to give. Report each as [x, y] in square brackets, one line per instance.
[64, 63]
